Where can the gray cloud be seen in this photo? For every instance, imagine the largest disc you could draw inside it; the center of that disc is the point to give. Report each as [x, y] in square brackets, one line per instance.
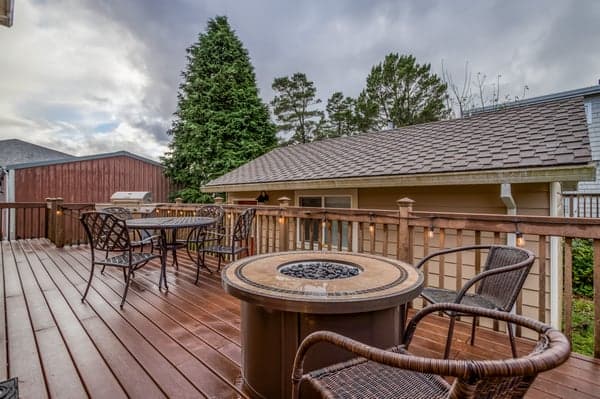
[73, 69]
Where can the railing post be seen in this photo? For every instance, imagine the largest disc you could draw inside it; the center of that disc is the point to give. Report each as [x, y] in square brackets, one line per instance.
[50, 218]
[284, 202]
[405, 207]
[59, 225]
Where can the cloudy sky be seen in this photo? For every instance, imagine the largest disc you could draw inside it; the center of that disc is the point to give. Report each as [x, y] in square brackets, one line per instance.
[102, 75]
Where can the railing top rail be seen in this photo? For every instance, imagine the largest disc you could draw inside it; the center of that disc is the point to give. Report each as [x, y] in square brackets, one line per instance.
[22, 205]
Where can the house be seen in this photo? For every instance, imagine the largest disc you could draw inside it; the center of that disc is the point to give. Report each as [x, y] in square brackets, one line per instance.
[511, 160]
[6, 12]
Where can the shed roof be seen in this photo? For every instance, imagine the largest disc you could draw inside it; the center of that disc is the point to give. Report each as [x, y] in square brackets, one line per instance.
[84, 158]
[538, 135]
[15, 151]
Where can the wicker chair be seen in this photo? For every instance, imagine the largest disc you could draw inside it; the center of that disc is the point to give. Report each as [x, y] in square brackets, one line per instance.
[239, 238]
[497, 287]
[108, 233]
[395, 373]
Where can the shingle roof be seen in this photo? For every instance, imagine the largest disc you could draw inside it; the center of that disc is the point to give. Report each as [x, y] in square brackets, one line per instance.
[14, 151]
[538, 135]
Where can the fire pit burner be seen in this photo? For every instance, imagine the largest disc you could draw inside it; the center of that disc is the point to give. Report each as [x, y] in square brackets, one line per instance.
[319, 270]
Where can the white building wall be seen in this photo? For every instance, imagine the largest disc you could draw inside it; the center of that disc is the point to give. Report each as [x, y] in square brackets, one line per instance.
[592, 110]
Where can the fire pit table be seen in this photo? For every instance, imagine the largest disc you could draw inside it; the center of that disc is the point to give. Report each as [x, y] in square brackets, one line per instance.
[288, 295]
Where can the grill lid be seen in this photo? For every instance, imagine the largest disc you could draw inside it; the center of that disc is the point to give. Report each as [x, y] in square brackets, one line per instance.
[132, 197]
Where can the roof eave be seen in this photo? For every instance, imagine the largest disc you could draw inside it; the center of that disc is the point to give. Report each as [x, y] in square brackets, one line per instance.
[583, 172]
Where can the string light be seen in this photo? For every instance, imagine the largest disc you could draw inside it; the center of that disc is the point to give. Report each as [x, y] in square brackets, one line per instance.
[519, 236]
[520, 239]
[430, 231]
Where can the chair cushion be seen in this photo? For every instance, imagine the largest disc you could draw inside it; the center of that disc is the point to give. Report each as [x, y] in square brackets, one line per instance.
[438, 295]
[366, 379]
[123, 260]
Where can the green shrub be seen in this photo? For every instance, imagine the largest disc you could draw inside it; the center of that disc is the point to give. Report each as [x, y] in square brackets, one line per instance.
[583, 268]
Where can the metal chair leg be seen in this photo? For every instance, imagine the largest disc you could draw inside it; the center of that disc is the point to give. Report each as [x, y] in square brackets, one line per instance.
[449, 339]
[87, 288]
[127, 278]
[103, 267]
[473, 330]
[511, 337]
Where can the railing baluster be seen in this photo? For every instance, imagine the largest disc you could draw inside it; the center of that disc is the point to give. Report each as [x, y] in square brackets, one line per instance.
[568, 289]
[596, 298]
[542, 278]
[372, 237]
[384, 248]
[361, 243]
[442, 259]
[459, 243]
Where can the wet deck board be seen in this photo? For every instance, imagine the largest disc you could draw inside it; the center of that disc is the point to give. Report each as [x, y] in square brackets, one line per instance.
[182, 344]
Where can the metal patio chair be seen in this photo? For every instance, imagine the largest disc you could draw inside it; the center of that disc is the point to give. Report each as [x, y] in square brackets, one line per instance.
[109, 234]
[142, 237]
[238, 241]
[396, 373]
[496, 287]
[202, 236]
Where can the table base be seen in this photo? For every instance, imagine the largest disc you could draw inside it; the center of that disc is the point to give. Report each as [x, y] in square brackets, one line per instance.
[270, 339]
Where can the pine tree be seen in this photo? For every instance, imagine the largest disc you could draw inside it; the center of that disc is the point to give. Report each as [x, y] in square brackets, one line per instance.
[220, 122]
[340, 113]
[294, 108]
[400, 92]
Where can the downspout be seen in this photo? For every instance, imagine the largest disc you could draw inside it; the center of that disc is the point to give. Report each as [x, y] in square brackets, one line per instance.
[511, 208]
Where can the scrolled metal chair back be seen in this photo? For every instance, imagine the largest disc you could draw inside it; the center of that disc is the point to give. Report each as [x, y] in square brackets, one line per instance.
[105, 231]
[118, 211]
[243, 225]
[213, 211]
[503, 288]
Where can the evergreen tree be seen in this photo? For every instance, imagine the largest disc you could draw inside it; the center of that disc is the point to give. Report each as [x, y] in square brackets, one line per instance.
[400, 92]
[294, 108]
[341, 118]
[220, 122]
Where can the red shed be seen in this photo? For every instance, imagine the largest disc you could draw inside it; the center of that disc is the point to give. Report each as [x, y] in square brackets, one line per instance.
[86, 179]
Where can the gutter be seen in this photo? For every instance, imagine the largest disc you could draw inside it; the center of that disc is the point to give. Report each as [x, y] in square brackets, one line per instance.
[582, 172]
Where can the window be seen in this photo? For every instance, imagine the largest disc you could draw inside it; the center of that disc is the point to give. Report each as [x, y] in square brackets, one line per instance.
[311, 227]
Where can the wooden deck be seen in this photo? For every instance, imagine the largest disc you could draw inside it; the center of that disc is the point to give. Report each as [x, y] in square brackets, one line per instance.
[182, 344]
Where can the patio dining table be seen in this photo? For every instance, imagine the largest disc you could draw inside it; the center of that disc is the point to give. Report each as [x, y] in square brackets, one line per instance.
[173, 224]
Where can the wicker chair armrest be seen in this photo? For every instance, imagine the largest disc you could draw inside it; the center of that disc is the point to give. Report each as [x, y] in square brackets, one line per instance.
[448, 251]
[526, 322]
[556, 352]
[458, 368]
[499, 270]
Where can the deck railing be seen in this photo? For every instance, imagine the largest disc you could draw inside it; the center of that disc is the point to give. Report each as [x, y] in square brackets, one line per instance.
[582, 205]
[20, 220]
[406, 235]
[409, 235]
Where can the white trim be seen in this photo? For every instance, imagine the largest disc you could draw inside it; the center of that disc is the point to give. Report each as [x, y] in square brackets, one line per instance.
[556, 267]
[10, 197]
